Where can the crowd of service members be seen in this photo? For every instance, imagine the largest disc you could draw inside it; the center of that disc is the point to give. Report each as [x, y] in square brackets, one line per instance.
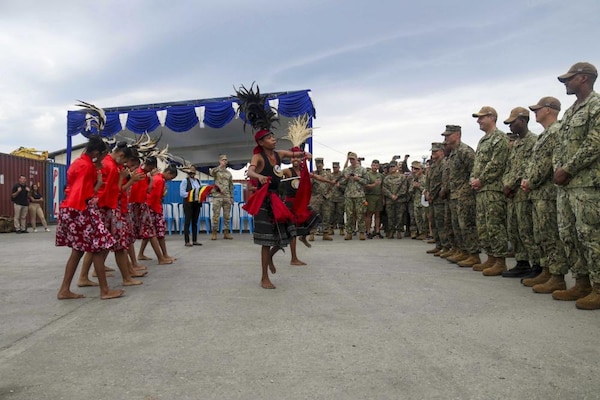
[532, 197]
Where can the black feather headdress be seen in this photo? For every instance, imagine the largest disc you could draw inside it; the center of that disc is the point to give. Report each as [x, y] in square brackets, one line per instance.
[255, 109]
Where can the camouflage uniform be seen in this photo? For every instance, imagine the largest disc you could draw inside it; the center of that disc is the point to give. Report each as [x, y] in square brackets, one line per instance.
[450, 240]
[490, 161]
[320, 200]
[354, 197]
[462, 198]
[337, 202]
[519, 214]
[222, 195]
[373, 196]
[538, 173]
[395, 184]
[416, 189]
[578, 202]
[436, 204]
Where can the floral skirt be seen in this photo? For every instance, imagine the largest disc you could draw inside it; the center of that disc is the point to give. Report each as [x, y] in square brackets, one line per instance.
[142, 223]
[83, 230]
[158, 221]
[118, 227]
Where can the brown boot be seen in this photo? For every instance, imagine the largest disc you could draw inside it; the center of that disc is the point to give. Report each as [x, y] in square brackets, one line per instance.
[458, 256]
[213, 236]
[497, 269]
[361, 236]
[581, 289]
[541, 278]
[311, 237]
[226, 234]
[449, 253]
[330, 231]
[431, 251]
[491, 260]
[348, 236]
[555, 282]
[591, 301]
[421, 236]
[389, 235]
[440, 251]
[327, 236]
[399, 235]
[470, 261]
[342, 232]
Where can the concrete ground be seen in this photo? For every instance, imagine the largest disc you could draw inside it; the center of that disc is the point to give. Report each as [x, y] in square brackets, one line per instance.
[375, 319]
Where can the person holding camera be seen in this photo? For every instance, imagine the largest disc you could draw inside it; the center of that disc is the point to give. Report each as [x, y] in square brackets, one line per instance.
[20, 198]
[354, 180]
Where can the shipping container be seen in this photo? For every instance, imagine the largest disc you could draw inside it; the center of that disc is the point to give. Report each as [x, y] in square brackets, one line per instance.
[11, 167]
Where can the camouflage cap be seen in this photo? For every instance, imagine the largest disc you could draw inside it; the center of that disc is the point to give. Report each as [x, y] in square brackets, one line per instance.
[450, 129]
[393, 164]
[375, 161]
[223, 157]
[516, 113]
[548, 101]
[335, 164]
[352, 154]
[579, 68]
[437, 146]
[486, 110]
[416, 164]
[318, 160]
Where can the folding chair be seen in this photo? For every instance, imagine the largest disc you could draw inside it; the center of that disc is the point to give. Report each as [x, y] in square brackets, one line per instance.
[181, 217]
[204, 217]
[168, 216]
[244, 216]
[230, 221]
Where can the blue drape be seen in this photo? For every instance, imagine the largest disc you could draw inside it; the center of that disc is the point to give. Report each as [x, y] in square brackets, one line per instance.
[141, 121]
[181, 119]
[217, 115]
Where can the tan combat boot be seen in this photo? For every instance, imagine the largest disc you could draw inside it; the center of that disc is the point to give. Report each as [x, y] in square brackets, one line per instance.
[399, 235]
[440, 251]
[348, 236]
[311, 237]
[213, 236]
[491, 260]
[591, 301]
[470, 261]
[226, 234]
[361, 236]
[327, 236]
[422, 236]
[581, 289]
[432, 251]
[541, 278]
[497, 269]
[330, 231]
[555, 282]
[448, 253]
[342, 232]
[459, 255]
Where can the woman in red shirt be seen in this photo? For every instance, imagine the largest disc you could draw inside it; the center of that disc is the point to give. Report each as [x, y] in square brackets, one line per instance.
[80, 225]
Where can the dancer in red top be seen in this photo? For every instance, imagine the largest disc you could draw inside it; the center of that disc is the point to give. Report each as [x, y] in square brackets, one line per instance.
[80, 225]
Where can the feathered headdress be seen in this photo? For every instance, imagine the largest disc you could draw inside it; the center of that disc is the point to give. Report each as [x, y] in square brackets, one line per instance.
[95, 116]
[256, 111]
[298, 131]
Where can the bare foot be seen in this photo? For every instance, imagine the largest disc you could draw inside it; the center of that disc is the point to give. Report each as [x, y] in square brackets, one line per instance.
[69, 295]
[140, 267]
[108, 269]
[108, 275]
[86, 282]
[173, 259]
[112, 294]
[303, 240]
[165, 261]
[132, 282]
[138, 274]
[272, 267]
[297, 262]
[267, 284]
[143, 257]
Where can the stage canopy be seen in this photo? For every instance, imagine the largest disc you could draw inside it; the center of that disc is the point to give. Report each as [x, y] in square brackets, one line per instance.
[196, 130]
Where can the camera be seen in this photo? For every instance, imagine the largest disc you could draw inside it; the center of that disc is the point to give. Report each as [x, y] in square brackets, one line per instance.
[351, 174]
[361, 159]
[397, 156]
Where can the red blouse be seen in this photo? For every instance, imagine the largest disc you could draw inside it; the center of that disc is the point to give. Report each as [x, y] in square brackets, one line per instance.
[108, 194]
[156, 194]
[81, 179]
[139, 190]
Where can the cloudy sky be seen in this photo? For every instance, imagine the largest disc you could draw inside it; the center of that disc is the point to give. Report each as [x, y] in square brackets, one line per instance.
[386, 76]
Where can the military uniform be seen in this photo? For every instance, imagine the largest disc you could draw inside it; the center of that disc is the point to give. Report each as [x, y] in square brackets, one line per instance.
[415, 192]
[354, 180]
[320, 200]
[462, 196]
[436, 203]
[373, 196]
[222, 195]
[337, 201]
[489, 164]
[538, 174]
[395, 188]
[578, 202]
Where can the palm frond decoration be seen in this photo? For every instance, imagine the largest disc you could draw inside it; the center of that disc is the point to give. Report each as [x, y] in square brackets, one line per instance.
[95, 116]
[298, 130]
